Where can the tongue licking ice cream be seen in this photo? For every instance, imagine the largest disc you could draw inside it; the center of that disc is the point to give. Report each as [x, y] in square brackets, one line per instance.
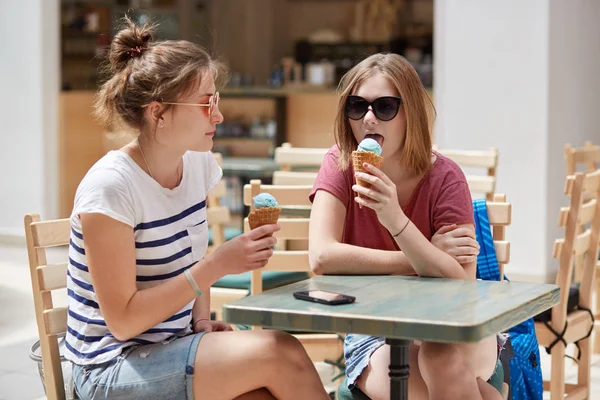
[368, 151]
[266, 211]
[371, 145]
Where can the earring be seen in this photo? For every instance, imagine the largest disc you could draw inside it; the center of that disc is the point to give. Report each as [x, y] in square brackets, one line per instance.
[161, 124]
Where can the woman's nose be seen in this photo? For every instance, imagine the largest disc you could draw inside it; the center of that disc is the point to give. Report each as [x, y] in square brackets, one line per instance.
[370, 117]
[217, 117]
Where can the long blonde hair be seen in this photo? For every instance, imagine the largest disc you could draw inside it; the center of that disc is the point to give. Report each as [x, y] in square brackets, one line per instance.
[419, 109]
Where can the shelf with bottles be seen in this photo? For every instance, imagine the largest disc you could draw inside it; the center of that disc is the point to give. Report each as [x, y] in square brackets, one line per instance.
[246, 136]
[260, 128]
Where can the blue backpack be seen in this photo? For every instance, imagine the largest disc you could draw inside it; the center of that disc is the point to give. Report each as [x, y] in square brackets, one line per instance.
[524, 362]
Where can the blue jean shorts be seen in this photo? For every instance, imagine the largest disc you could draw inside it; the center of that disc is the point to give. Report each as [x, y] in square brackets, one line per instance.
[154, 371]
[357, 352]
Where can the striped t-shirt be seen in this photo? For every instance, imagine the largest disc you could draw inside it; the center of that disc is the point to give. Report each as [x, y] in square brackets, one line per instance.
[171, 234]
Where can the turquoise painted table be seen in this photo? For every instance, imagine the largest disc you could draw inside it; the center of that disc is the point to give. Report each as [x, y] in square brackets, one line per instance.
[401, 309]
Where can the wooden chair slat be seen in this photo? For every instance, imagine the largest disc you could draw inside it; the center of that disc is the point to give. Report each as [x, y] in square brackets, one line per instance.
[220, 189]
[55, 320]
[290, 228]
[299, 156]
[502, 251]
[499, 213]
[52, 276]
[51, 233]
[591, 183]
[586, 214]
[288, 261]
[285, 195]
[218, 215]
[580, 244]
[481, 184]
[294, 178]
[587, 155]
[475, 159]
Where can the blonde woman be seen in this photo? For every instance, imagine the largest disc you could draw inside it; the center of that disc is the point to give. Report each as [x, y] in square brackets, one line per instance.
[416, 219]
[138, 276]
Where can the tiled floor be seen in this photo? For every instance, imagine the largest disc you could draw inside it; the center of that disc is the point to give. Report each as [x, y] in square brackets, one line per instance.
[19, 378]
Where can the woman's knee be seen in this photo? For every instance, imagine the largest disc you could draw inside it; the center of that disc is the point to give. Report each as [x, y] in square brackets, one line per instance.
[282, 347]
[441, 359]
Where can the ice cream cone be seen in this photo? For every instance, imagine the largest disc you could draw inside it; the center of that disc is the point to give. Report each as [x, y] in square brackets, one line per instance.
[360, 157]
[263, 216]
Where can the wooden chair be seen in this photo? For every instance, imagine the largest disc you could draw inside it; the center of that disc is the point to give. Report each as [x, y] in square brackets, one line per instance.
[319, 346]
[232, 287]
[586, 159]
[466, 159]
[581, 221]
[298, 165]
[46, 278]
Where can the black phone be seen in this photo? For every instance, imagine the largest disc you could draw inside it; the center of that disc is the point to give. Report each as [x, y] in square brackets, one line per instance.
[324, 297]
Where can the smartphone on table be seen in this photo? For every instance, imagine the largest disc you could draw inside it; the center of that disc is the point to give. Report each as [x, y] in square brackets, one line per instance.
[324, 297]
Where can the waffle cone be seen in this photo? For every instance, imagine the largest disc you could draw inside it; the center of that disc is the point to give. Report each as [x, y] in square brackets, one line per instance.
[360, 157]
[263, 216]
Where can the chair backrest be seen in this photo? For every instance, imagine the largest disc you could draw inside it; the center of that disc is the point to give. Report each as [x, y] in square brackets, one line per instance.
[581, 221]
[295, 228]
[500, 215]
[45, 278]
[588, 156]
[298, 165]
[217, 215]
[467, 160]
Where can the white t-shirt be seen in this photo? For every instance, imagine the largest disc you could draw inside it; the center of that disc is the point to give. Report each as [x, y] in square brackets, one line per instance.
[171, 234]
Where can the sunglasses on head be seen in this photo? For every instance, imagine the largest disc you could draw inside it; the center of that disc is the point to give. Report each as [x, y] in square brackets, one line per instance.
[385, 108]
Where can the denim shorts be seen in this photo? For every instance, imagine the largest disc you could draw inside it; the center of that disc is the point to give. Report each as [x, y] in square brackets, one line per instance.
[357, 352]
[154, 371]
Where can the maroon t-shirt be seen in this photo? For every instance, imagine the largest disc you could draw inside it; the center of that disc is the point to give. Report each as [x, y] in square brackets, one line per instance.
[442, 197]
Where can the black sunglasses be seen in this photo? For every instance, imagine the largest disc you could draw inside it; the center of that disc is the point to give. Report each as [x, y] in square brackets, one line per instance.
[385, 108]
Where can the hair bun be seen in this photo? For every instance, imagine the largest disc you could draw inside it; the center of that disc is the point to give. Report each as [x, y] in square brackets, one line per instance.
[129, 43]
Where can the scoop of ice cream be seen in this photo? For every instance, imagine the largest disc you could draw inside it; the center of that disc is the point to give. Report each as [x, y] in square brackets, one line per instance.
[371, 145]
[264, 200]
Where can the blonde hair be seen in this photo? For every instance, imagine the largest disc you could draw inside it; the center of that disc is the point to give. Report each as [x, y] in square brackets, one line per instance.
[418, 107]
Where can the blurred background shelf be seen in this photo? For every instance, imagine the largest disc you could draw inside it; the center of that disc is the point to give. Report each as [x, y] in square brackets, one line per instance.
[286, 58]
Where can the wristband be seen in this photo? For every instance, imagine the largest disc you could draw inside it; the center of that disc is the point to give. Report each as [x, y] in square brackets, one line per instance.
[192, 282]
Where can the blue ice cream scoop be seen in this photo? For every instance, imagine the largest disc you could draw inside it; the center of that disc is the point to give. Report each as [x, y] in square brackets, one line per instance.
[371, 145]
[264, 200]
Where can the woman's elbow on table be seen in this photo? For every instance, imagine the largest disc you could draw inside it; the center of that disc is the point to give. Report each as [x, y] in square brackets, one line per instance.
[316, 261]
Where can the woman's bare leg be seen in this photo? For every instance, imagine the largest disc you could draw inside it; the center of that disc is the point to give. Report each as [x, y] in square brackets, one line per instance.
[437, 371]
[230, 364]
[488, 392]
[260, 394]
[375, 380]
[450, 371]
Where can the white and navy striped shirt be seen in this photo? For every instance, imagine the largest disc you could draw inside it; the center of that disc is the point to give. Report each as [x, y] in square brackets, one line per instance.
[171, 234]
